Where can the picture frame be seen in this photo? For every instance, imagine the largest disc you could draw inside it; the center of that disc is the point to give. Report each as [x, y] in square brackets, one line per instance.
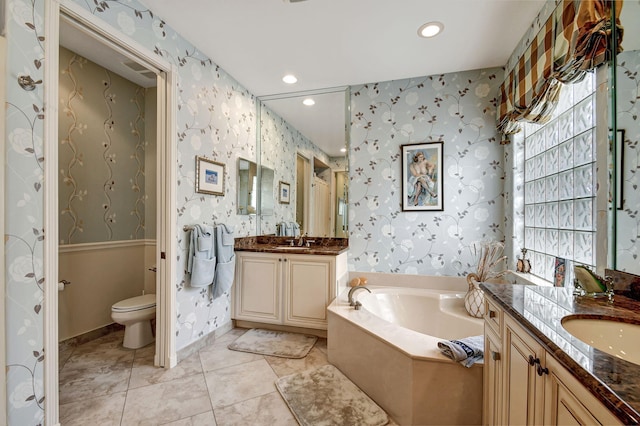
[209, 176]
[559, 272]
[422, 186]
[284, 192]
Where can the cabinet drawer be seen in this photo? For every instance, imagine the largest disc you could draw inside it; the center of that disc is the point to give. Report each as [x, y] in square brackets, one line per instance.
[493, 316]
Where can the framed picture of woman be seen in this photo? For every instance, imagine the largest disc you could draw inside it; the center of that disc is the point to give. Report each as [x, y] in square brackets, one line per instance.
[422, 188]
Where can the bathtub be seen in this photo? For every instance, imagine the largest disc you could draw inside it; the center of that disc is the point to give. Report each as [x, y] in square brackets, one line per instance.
[389, 349]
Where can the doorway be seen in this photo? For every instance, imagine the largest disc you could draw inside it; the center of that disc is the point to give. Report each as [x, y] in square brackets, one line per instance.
[341, 180]
[303, 173]
[96, 31]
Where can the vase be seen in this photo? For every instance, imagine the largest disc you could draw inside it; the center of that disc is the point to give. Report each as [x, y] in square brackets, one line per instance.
[474, 299]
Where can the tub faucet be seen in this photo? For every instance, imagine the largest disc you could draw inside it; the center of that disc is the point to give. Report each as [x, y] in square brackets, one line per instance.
[353, 303]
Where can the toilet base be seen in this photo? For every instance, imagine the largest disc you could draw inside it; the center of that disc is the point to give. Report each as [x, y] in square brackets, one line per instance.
[138, 335]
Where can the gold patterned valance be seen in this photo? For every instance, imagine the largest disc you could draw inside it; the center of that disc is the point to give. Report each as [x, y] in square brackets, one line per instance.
[574, 40]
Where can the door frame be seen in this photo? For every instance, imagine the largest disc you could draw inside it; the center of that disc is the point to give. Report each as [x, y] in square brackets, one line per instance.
[307, 195]
[166, 246]
[3, 359]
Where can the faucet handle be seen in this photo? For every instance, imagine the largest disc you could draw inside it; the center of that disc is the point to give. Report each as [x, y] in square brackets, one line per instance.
[308, 243]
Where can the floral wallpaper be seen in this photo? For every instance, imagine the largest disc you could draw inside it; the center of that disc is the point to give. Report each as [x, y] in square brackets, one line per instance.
[24, 280]
[101, 154]
[457, 109]
[628, 221]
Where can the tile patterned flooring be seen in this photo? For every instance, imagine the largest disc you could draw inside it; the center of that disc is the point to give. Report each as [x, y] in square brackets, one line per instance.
[103, 383]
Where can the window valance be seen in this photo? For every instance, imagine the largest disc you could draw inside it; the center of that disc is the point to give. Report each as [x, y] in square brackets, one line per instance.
[574, 40]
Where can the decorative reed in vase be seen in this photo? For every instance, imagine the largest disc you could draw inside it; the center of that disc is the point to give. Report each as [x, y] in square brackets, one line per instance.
[488, 256]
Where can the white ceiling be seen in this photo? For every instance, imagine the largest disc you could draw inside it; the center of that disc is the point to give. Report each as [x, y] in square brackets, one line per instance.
[337, 43]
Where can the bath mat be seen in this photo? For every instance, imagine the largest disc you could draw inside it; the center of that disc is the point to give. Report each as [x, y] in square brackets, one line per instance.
[274, 343]
[324, 396]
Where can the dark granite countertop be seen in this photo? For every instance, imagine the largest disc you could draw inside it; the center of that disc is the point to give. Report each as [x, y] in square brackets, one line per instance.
[273, 244]
[615, 382]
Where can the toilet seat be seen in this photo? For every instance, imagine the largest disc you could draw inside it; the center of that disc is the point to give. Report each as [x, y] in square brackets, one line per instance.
[135, 303]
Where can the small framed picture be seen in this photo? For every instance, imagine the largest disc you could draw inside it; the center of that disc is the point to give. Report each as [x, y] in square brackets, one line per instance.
[422, 188]
[284, 193]
[209, 176]
[559, 272]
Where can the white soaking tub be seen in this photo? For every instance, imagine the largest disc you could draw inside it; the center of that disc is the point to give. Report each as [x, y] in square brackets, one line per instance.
[389, 349]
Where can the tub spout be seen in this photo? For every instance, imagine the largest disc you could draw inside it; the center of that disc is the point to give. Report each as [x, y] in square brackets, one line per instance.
[353, 290]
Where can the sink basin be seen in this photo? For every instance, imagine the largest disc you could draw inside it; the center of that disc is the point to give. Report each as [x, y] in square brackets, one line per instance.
[610, 335]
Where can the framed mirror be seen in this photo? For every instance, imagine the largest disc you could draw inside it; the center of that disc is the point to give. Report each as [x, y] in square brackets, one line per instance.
[250, 183]
[304, 138]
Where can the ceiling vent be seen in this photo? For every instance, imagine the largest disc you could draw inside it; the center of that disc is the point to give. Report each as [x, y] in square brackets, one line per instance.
[293, 1]
[134, 66]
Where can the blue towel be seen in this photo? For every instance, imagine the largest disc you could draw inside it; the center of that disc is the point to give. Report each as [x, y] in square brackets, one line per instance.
[466, 351]
[225, 269]
[201, 261]
[296, 229]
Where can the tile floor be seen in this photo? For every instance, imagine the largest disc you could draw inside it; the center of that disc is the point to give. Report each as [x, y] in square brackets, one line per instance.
[102, 383]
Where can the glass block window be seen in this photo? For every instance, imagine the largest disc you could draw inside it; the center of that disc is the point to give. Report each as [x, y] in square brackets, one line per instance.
[560, 183]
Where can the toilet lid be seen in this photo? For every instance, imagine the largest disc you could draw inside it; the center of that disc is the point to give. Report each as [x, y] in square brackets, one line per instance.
[135, 303]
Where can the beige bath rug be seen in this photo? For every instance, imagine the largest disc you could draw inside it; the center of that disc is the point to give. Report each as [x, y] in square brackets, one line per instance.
[274, 343]
[325, 397]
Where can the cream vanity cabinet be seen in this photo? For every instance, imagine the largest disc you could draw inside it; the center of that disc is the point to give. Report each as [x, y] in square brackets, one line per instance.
[286, 289]
[526, 385]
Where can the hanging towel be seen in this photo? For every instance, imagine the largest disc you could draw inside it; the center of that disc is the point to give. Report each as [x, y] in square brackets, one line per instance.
[201, 261]
[288, 229]
[225, 269]
[466, 351]
[282, 229]
[296, 229]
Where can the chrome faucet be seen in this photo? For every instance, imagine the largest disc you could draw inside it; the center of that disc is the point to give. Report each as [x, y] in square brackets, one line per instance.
[353, 303]
[301, 240]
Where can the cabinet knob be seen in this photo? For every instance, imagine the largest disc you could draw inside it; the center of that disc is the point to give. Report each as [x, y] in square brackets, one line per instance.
[495, 355]
[533, 361]
[492, 314]
[541, 370]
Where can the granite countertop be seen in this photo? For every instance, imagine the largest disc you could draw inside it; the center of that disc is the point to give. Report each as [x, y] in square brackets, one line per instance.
[540, 309]
[273, 244]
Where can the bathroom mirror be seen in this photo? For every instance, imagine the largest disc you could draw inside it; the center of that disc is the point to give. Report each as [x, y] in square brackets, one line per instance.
[626, 125]
[303, 137]
[248, 187]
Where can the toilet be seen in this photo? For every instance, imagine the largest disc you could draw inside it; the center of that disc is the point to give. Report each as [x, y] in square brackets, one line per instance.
[136, 314]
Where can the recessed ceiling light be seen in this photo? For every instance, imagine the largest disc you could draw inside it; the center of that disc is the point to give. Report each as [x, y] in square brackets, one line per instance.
[430, 29]
[343, 149]
[289, 79]
[309, 102]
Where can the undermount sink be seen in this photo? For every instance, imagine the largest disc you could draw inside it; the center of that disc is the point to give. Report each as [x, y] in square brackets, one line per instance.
[292, 248]
[610, 335]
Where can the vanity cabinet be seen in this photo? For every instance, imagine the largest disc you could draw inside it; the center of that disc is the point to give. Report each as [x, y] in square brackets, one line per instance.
[286, 289]
[492, 379]
[526, 385]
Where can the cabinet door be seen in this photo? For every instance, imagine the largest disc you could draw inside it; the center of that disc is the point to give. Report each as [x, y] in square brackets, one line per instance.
[522, 387]
[257, 293]
[309, 285]
[566, 400]
[492, 378]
